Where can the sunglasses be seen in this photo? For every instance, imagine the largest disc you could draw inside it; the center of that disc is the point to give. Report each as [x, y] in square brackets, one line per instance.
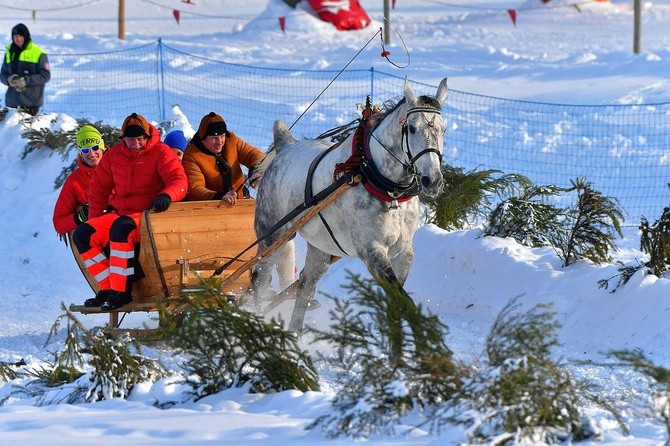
[86, 149]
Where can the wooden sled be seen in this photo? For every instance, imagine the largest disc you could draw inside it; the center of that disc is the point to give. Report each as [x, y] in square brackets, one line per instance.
[197, 238]
[191, 238]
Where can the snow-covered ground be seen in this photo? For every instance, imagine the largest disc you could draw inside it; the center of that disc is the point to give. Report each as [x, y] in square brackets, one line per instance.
[556, 53]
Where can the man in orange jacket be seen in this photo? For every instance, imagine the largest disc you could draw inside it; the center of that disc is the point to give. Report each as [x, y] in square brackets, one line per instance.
[71, 207]
[144, 173]
[213, 161]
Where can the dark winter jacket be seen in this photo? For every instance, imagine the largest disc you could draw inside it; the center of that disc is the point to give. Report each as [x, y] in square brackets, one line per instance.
[32, 63]
[136, 177]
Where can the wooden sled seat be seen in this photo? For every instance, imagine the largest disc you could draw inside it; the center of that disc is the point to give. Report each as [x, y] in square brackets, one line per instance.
[179, 247]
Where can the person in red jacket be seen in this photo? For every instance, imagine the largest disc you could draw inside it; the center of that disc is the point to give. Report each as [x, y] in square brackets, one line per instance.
[71, 207]
[143, 173]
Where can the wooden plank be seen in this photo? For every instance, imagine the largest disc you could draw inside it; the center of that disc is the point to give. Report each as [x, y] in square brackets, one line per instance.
[152, 285]
[133, 306]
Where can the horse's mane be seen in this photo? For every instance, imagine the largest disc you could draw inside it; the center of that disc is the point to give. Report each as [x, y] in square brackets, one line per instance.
[389, 106]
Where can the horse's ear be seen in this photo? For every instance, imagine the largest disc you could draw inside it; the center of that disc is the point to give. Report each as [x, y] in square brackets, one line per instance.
[409, 94]
[442, 91]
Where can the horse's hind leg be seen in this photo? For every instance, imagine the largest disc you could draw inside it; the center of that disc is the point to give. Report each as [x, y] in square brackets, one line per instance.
[261, 278]
[286, 265]
[316, 264]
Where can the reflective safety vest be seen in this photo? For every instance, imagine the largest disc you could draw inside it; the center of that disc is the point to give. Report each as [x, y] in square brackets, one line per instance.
[30, 54]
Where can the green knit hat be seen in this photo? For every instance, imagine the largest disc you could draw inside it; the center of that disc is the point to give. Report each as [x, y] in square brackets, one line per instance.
[89, 136]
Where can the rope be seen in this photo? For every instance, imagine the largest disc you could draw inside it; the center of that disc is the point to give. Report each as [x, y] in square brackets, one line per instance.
[335, 78]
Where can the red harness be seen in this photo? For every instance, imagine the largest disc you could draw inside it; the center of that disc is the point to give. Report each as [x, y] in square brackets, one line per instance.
[360, 151]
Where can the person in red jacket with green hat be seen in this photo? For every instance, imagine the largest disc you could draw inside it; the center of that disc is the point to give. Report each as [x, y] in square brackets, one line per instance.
[71, 207]
[140, 172]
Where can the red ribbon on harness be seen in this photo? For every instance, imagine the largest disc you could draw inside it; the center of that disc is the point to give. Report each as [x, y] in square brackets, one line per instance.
[360, 150]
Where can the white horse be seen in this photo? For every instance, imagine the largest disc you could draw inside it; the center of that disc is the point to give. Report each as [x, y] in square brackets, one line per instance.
[400, 152]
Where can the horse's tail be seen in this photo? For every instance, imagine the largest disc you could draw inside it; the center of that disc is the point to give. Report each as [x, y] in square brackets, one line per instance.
[282, 135]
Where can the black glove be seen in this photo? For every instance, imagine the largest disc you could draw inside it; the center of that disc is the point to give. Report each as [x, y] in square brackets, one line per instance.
[161, 203]
[254, 175]
[81, 216]
[20, 84]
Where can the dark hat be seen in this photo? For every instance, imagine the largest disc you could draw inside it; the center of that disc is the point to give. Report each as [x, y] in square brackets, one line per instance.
[212, 125]
[22, 30]
[135, 125]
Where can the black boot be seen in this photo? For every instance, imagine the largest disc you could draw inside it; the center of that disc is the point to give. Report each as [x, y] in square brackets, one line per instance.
[116, 299]
[98, 300]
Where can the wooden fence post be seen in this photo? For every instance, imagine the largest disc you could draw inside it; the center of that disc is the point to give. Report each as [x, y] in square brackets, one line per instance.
[122, 19]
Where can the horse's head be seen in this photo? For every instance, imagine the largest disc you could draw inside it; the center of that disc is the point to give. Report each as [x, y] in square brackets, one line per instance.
[423, 137]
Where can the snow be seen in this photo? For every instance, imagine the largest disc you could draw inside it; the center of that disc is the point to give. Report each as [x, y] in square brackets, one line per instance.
[554, 53]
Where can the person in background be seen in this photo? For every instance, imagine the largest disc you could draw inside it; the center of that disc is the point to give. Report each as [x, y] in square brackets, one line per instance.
[25, 71]
[143, 173]
[177, 142]
[71, 207]
[213, 161]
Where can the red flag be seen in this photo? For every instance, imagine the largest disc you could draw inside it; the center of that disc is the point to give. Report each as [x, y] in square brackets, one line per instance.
[512, 15]
[282, 23]
[175, 13]
[393, 4]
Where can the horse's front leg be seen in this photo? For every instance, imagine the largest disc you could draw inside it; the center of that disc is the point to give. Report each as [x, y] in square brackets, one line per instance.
[316, 265]
[402, 262]
[400, 306]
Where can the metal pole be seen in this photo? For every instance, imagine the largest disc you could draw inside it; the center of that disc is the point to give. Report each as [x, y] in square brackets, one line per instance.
[387, 23]
[122, 19]
[636, 26]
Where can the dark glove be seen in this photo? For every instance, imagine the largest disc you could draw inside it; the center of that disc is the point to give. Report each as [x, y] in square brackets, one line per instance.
[63, 238]
[254, 176]
[19, 84]
[161, 203]
[81, 216]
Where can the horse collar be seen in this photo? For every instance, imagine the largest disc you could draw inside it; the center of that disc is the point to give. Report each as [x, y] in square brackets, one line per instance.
[374, 182]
